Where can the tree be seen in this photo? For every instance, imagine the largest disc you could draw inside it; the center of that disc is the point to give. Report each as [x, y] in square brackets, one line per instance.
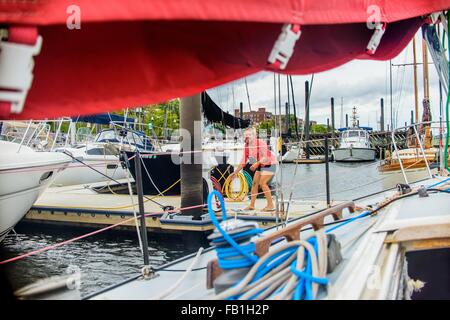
[319, 128]
[267, 125]
[152, 117]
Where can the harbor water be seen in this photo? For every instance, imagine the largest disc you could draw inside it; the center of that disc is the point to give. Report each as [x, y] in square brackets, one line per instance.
[109, 258]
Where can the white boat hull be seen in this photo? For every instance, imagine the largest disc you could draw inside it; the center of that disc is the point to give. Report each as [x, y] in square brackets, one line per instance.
[77, 173]
[14, 206]
[291, 155]
[96, 162]
[354, 154]
[24, 176]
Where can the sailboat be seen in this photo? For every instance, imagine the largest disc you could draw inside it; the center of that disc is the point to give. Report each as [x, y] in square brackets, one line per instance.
[420, 155]
[347, 251]
[24, 175]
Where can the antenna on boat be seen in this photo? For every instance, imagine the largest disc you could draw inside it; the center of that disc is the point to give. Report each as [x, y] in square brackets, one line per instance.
[354, 118]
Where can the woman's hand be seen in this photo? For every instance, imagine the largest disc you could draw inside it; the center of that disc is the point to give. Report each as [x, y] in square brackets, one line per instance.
[254, 166]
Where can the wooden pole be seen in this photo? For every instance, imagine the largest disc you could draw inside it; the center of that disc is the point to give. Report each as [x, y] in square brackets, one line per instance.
[140, 193]
[287, 118]
[332, 117]
[416, 93]
[295, 110]
[327, 173]
[191, 166]
[307, 118]
[241, 110]
[426, 87]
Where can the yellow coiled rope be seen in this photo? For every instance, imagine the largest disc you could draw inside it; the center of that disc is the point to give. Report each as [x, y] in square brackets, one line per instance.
[233, 195]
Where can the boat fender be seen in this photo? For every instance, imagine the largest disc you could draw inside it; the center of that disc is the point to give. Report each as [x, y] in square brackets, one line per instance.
[403, 188]
[422, 191]
[333, 253]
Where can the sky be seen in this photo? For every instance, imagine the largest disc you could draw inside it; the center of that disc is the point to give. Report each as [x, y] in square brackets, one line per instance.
[360, 83]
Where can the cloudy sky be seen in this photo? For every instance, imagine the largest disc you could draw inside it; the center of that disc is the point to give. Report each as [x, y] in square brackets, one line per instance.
[360, 83]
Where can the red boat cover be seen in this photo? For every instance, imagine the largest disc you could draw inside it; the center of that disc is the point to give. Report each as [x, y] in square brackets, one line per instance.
[133, 53]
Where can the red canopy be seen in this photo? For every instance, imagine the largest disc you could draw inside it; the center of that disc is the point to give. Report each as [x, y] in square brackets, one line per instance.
[132, 53]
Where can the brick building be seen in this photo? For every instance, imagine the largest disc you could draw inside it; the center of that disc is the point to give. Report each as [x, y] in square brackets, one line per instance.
[255, 116]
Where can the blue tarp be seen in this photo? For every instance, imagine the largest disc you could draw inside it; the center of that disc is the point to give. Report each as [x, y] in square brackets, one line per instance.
[104, 118]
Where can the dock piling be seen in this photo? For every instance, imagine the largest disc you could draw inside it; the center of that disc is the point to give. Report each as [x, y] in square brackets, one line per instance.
[140, 193]
[327, 172]
[332, 117]
[191, 166]
[307, 118]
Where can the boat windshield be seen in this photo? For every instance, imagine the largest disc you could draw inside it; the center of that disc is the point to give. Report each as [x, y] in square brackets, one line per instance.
[353, 134]
[111, 136]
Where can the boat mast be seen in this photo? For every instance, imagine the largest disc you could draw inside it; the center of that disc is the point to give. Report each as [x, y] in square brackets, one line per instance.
[426, 114]
[390, 93]
[416, 94]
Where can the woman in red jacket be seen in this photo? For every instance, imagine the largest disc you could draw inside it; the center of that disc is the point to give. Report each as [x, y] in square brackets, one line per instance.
[263, 162]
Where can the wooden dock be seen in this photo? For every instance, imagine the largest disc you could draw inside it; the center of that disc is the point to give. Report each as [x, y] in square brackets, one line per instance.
[80, 206]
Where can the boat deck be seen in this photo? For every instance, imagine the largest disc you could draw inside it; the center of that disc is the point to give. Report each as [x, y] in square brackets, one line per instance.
[373, 250]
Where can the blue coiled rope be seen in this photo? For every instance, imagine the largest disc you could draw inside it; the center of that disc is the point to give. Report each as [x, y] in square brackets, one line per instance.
[242, 256]
[249, 178]
[237, 255]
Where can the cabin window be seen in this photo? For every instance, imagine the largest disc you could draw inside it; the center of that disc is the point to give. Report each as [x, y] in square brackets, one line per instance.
[352, 134]
[99, 152]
